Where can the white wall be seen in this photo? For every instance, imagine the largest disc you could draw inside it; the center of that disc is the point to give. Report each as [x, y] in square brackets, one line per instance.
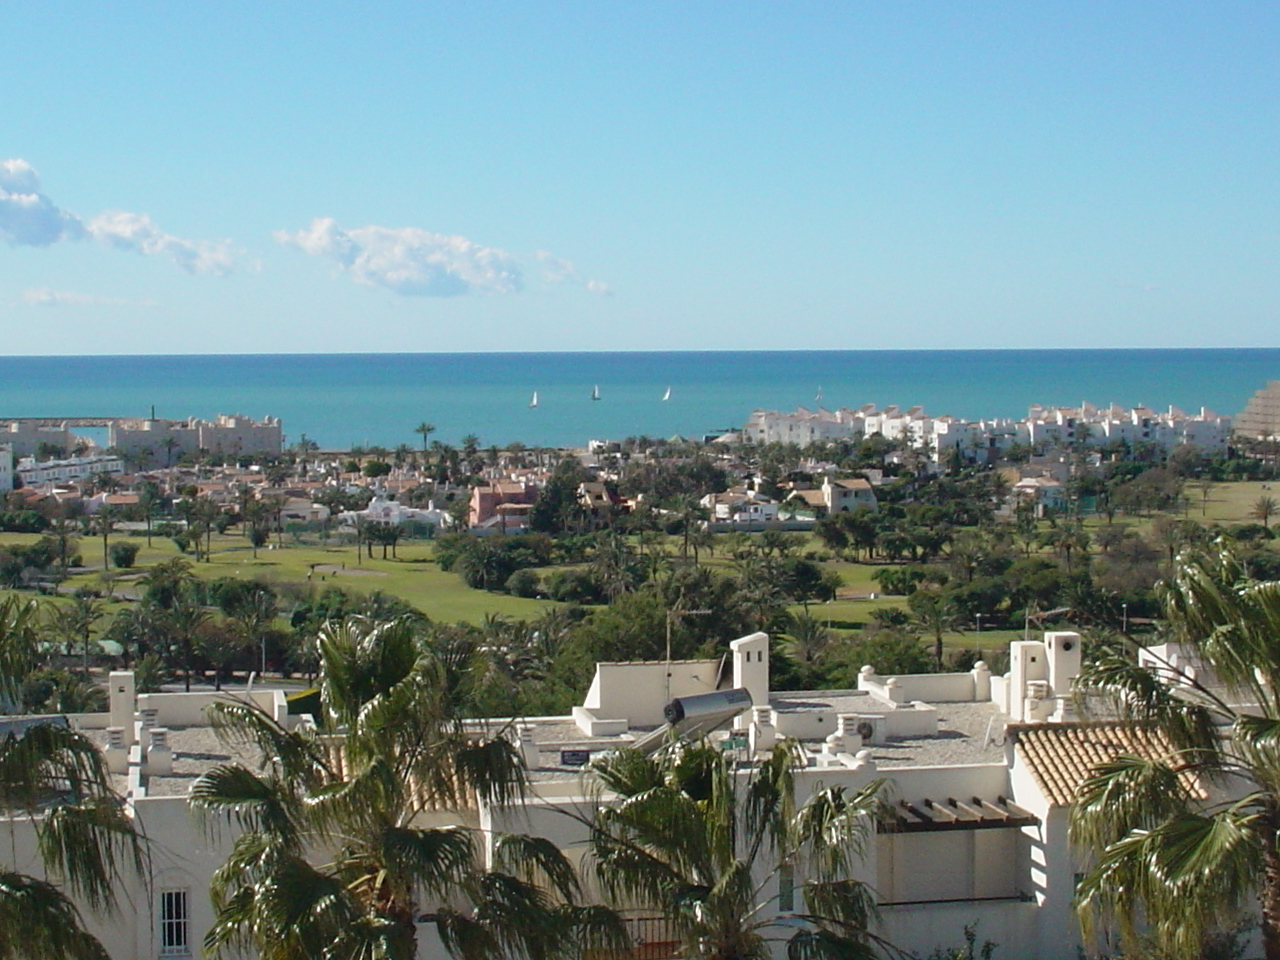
[637, 692]
[189, 709]
[921, 929]
[950, 687]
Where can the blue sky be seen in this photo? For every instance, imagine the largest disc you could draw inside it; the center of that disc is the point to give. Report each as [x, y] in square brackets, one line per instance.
[322, 177]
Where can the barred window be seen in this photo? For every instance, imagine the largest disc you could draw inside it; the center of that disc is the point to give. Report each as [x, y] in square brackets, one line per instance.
[786, 888]
[174, 916]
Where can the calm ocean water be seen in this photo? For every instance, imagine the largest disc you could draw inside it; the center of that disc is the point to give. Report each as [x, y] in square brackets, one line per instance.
[345, 399]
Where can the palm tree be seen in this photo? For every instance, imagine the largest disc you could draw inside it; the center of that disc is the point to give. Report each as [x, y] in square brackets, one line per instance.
[333, 860]
[1184, 858]
[74, 622]
[148, 497]
[808, 639]
[170, 444]
[219, 644]
[1067, 539]
[56, 779]
[19, 648]
[207, 514]
[426, 430]
[104, 523]
[62, 530]
[166, 580]
[691, 514]
[705, 846]
[254, 515]
[1264, 508]
[701, 538]
[183, 622]
[251, 620]
[936, 615]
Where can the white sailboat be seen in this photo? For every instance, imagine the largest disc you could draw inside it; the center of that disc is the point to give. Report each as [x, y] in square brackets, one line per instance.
[667, 395]
[818, 398]
[534, 401]
[595, 392]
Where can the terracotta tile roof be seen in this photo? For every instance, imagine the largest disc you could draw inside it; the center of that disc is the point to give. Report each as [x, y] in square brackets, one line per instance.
[812, 497]
[1061, 756]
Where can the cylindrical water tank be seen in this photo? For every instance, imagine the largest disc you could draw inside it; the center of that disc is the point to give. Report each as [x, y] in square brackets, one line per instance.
[706, 705]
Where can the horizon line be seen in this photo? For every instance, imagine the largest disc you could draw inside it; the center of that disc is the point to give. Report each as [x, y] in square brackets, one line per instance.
[715, 350]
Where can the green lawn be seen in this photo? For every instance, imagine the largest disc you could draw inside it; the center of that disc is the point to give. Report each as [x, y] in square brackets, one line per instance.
[412, 577]
[1230, 502]
[443, 596]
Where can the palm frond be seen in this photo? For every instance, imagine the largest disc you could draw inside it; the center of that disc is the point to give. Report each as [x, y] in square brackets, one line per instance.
[536, 859]
[627, 772]
[1127, 794]
[1183, 876]
[465, 937]
[834, 827]
[39, 922]
[820, 944]
[255, 803]
[593, 930]
[298, 753]
[435, 860]
[1138, 694]
[1257, 740]
[667, 823]
[88, 843]
[493, 768]
[848, 903]
[49, 761]
[770, 796]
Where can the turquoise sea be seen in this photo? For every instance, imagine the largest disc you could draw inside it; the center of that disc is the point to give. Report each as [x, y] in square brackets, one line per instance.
[341, 400]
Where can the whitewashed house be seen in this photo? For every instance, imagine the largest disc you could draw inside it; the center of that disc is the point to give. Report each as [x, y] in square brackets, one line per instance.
[981, 771]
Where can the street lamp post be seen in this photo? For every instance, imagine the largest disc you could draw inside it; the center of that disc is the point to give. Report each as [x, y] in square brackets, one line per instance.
[1124, 613]
[978, 617]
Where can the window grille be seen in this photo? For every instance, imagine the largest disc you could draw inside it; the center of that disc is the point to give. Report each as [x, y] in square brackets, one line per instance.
[174, 919]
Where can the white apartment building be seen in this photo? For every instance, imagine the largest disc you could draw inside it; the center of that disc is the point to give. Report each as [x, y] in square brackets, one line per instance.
[978, 439]
[1093, 426]
[34, 474]
[802, 427]
[166, 440]
[24, 437]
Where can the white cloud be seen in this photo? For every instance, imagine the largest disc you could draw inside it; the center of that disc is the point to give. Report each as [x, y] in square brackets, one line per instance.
[28, 218]
[44, 297]
[559, 270]
[409, 261]
[138, 232]
[19, 177]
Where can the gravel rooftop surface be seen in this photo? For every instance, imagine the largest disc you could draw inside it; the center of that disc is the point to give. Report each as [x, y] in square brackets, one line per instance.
[967, 733]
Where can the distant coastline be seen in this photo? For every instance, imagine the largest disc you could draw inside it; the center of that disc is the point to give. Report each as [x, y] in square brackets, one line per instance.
[339, 400]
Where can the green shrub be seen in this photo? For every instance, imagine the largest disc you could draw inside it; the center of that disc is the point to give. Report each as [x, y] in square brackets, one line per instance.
[124, 553]
[524, 583]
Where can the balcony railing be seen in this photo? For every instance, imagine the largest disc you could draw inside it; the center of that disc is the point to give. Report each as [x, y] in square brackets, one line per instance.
[652, 938]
